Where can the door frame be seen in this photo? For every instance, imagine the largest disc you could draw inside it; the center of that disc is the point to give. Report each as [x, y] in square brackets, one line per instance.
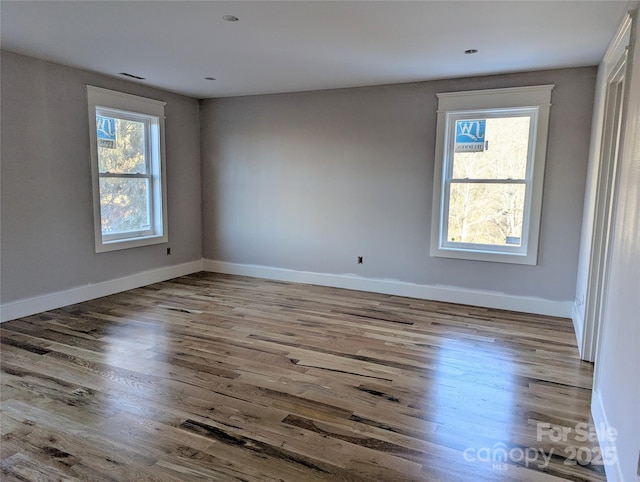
[606, 142]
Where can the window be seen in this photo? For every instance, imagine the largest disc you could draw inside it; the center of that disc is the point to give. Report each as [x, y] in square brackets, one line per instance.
[127, 163]
[490, 155]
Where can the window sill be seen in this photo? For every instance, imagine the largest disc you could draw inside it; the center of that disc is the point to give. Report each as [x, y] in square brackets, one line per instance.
[102, 247]
[485, 255]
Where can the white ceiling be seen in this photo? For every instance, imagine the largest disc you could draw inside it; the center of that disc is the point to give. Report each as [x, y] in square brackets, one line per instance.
[284, 46]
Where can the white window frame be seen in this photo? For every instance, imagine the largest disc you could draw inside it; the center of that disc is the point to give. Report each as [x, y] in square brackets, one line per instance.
[533, 101]
[151, 113]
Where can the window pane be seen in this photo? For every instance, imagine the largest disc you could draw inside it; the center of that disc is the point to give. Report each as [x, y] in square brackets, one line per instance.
[486, 213]
[121, 145]
[124, 205]
[505, 153]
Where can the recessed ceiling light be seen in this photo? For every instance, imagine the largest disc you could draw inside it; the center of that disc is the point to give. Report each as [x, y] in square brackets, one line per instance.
[209, 78]
[230, 18]
[471, 51]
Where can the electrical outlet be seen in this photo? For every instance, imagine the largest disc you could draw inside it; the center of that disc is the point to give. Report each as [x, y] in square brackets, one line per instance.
[168, 251]
[359, 259]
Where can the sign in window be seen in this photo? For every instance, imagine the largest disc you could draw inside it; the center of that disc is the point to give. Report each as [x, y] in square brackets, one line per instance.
[470, 135]
[106, 132]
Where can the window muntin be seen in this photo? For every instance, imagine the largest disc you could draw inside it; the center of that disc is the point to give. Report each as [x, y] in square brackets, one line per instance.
[486, 191]
[127, 165]
[490, 155]
[126, 175]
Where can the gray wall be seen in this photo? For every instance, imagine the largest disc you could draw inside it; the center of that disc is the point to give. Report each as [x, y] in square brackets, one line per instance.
[47, 218]
[308, 181]
[304, 181]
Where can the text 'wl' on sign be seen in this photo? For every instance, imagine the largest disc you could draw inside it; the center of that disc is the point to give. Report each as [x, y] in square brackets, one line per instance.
[470, 135]
[106, 130]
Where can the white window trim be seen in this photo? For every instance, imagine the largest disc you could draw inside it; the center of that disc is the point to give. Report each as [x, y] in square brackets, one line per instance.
[450, 105]
[128, 104]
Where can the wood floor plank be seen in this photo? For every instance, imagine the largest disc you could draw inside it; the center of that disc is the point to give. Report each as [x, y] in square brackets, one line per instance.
[219, 377]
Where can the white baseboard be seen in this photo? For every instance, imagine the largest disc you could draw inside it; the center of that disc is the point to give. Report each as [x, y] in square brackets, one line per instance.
[450, 294]
[489, 299]
[578, 326]
[51, 301]
[607, 445]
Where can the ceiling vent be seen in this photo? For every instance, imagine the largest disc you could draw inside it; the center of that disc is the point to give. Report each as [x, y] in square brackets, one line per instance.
[132, 76]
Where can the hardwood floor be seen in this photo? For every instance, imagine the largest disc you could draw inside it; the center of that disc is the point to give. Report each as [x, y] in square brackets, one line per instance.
[215, 377]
